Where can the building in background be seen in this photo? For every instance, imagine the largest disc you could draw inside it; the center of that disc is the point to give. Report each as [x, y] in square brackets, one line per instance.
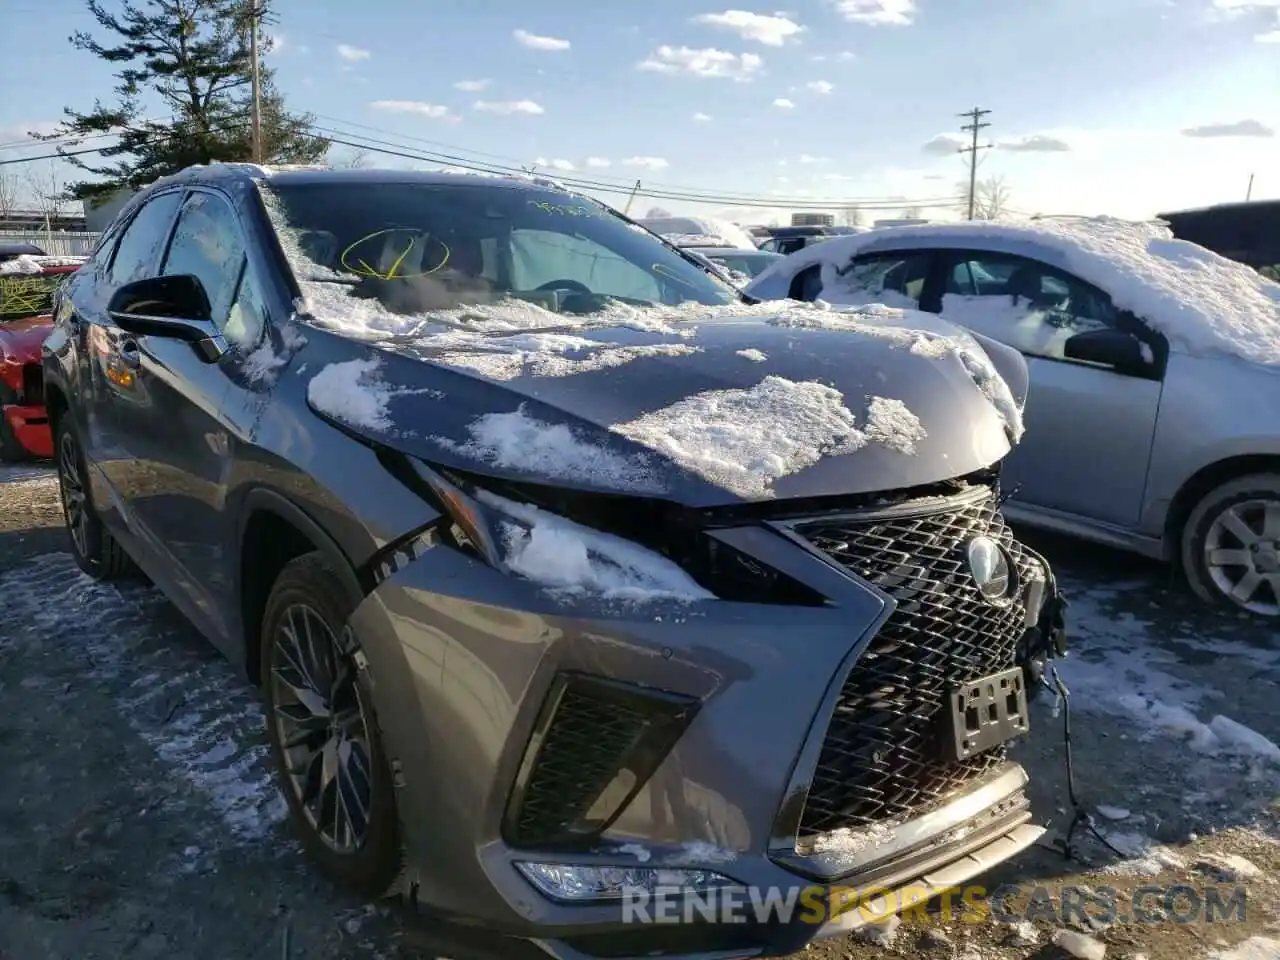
[813, 219]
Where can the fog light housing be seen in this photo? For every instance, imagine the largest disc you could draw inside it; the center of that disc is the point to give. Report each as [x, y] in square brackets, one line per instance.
[578, 884]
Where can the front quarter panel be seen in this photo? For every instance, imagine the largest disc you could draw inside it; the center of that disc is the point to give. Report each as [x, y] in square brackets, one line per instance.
[1212, 409]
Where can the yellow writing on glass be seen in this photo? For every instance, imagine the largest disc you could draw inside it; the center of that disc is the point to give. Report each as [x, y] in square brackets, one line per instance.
[360, 267]
[27, 296]
[566, 209]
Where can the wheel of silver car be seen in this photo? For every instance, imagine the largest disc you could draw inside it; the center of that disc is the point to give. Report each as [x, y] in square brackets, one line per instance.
[1231, 545]
[95, 550]
[323, 731]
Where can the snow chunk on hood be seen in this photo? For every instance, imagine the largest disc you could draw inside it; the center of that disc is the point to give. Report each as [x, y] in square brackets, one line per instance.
[1202, 301]
[539, 354]
[744, 440]
[352, 392]
[516, 441]
[572, 560]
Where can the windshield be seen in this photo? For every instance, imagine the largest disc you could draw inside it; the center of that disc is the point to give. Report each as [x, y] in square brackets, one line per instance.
[419, 247]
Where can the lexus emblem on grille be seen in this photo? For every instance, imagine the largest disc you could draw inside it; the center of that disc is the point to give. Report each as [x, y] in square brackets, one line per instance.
[989, 567]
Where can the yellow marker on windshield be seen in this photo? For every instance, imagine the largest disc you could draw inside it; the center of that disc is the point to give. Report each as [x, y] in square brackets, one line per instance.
[361, 267]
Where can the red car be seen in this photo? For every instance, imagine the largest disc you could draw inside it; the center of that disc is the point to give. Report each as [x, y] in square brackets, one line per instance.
[27, 285]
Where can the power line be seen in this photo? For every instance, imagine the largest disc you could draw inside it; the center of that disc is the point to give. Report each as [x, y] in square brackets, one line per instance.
[975, 115]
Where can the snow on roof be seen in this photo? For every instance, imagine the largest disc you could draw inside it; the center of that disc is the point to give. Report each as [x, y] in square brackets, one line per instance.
[1200, 300]
[695, 240]
[728, 234]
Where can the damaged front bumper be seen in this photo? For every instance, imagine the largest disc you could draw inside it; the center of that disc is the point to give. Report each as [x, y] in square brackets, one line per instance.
[709, 736]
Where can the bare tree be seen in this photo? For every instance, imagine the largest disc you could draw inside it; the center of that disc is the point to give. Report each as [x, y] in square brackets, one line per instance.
[46, 190]
[991, 198]
[9, 191]
[851, 216]
[355, 159]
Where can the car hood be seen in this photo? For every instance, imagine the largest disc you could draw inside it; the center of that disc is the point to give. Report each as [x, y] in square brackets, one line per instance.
[789, 402]
[20, 340]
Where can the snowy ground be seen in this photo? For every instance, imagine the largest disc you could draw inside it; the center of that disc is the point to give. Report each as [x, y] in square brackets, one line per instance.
[137, 817]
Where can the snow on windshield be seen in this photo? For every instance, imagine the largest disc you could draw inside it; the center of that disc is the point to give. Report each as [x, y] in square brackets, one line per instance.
[1200, 300]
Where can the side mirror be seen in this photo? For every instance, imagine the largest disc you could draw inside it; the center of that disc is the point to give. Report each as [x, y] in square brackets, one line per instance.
[1113, 348]
[175, 307]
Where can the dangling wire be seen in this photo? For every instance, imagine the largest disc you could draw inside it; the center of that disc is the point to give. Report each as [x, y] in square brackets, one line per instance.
[1080, 815]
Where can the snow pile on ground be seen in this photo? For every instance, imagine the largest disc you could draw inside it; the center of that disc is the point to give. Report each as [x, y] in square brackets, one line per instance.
[352, 392]
[1255, 948]
[1197, 298]
[516, 441]
[26, 264]
[1142, 855]
[571, 560]
[744, 440]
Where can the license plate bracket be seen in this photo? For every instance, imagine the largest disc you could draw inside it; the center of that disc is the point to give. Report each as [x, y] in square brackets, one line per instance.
[988, 712]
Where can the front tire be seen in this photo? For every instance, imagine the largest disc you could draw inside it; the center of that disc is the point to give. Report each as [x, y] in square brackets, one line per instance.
[324, 734]
[96, 551]
[1231, 545]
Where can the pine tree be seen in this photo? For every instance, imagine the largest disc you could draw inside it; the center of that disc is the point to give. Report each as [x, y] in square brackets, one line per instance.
[182, 97]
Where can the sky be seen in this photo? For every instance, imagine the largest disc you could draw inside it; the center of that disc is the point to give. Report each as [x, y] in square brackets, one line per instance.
[1120, 107]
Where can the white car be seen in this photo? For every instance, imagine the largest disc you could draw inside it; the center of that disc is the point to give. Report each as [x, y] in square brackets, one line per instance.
[1153, 417]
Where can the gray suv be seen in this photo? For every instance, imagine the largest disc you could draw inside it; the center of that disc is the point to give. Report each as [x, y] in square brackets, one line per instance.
[568, 573]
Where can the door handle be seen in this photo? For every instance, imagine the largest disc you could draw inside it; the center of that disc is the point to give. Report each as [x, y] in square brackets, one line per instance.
[129, 352]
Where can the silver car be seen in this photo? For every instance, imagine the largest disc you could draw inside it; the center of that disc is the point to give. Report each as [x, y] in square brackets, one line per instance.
[1153, 419]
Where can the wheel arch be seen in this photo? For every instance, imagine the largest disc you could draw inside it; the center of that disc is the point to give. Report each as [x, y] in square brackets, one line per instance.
[272, 531]
[1199, 484]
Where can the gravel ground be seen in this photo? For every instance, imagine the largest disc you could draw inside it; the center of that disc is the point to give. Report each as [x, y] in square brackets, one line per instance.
[138, 817]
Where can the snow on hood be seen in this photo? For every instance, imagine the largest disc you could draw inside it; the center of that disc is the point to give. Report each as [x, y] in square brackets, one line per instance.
[1200, 300]
[704, 404]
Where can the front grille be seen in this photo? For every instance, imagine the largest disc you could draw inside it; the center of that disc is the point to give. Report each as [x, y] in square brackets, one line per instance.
[32, 384]
[598, 742]
[885, 756]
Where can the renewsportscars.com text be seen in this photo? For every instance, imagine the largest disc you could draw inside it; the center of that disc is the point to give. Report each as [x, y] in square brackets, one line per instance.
[1179, 903]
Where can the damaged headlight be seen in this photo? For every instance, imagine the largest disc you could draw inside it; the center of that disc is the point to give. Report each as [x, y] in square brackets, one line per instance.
[557, 553]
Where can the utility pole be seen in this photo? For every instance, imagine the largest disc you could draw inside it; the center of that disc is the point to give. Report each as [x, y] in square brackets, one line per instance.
[975, 115]
[256, 119]
[1248, 194]
[626, 211]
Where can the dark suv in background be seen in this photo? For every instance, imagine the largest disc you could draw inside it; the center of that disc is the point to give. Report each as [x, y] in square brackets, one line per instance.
[565, 570]
[1248, 232]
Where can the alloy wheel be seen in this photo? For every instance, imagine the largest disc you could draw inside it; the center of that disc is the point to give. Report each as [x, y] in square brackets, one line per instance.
[1242, 555]
[75, 504]
[322, 728]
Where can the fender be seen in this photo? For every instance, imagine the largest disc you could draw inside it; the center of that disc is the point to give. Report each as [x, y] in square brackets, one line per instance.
[268, 500]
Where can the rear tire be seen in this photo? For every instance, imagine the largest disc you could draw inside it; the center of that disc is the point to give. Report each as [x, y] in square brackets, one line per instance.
[324, 733]
[96, 551]
[1230, 548]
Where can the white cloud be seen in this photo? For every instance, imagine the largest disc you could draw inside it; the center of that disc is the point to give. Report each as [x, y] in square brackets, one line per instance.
[807, 160]
[535, 42]
[702, 117]
[945, 143]
[555, 164]
[782, 103]
[352, 54]
[707, 62]
[771, 31]
[845, 56]
[432, 111]
[1241, 128]
[21, 132]
[598, 163]
[1035, 143]
[508, 107]
[878, 13]
[820, 86]
[472, 86]
[1272, 36]
[646, 163]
